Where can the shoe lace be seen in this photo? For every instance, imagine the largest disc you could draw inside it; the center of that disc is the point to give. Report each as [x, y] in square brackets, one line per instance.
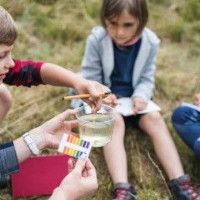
[124, 194]
[189, 188]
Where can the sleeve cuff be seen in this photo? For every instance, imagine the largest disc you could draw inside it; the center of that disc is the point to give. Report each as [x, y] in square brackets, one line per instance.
[8, 159]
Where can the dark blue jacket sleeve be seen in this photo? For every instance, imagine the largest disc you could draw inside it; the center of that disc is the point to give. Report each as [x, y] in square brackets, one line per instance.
[8, 162]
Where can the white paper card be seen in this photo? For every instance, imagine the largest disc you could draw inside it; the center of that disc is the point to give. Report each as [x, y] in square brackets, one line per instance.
[126, 109]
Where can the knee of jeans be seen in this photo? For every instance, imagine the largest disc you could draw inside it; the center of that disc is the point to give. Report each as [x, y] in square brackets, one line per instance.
[197, 148]
[181, 115]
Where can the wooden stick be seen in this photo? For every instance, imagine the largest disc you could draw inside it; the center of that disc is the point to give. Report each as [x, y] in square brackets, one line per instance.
[83, 96]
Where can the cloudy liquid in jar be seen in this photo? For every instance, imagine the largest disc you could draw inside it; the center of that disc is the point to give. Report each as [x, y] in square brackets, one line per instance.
[96, 128]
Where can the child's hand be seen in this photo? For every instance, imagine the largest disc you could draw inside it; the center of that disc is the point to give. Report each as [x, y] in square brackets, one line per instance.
[111, 100]
[197, 99]
[95, 89]
[139, 104]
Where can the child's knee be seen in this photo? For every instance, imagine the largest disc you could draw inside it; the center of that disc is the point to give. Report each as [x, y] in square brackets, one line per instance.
[181, 115]
[154, 117]
[5, 97]
[119, 127]
[119, 121]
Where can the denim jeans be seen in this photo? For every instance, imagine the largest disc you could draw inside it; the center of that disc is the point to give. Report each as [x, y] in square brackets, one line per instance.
[8, 162]
[186, 122]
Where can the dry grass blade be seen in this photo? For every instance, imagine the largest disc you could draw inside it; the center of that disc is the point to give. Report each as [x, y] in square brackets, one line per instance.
[160, 172]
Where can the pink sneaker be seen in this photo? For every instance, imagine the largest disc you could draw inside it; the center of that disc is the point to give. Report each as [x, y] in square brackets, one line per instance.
[124, 191]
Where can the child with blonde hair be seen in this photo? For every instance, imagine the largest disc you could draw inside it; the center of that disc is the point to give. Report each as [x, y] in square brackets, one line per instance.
[28, 73]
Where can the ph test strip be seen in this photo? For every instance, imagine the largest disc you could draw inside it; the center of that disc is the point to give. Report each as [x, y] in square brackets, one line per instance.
[74, 146]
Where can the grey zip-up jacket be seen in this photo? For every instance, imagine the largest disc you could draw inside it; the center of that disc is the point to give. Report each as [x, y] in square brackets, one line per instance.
[98, 61]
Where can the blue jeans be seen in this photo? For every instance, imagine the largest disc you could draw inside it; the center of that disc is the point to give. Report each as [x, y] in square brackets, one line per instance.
[186, 122]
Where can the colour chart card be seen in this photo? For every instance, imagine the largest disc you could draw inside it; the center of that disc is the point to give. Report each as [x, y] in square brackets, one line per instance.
[74, 146]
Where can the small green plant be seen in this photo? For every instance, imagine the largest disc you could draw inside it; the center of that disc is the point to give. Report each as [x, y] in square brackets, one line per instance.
[15, 8]
[150, 195]
[161, 2]
[93, 8]
[44, 2]
[193, 32]
[191, 10]
[176, 31]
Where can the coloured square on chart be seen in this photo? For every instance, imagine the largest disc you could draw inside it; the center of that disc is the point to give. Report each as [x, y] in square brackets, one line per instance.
[74, 146]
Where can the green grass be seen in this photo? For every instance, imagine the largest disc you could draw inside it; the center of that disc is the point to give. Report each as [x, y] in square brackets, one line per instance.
[191, 10]
[55, 31]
